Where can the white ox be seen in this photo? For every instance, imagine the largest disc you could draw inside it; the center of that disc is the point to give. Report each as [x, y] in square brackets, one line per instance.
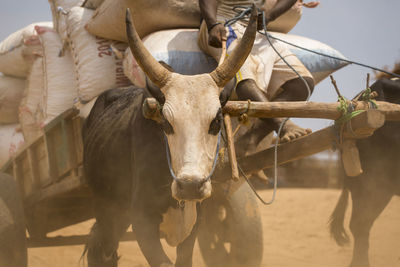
[191, 112]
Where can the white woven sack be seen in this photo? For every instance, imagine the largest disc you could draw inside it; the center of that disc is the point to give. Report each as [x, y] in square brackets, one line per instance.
[96, 67]
[319, 66]
[31, 110]
[185, 56]
[58, 9]
[148, 16]
[11, 92]
[132, 70]
[17, 51]
[11, 139]
[59, 87]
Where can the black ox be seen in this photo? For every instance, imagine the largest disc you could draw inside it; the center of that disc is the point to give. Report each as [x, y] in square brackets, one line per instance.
[380, 181]
[125, 154]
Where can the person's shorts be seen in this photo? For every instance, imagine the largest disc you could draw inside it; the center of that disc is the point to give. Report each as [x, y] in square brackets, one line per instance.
[263, 65]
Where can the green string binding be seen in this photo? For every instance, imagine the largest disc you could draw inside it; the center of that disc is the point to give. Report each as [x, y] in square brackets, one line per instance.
[344, 108]
[366, 96]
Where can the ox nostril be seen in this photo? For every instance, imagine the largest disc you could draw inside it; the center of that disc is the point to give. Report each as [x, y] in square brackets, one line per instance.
[191, 188]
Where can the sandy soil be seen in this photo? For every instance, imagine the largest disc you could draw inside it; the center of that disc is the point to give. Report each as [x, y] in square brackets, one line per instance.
[295, 234]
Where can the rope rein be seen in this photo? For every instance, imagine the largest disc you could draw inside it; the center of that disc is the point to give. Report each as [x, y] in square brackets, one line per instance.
[243, 14]
[347, 109]
[169, 157]
[244, 11]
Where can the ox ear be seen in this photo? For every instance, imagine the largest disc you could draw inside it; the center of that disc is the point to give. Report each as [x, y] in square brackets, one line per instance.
[154, 70]
[231, 65]
[152, 110]
[154, 90]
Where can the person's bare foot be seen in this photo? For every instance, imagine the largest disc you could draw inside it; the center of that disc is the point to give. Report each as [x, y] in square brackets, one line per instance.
[291, 131]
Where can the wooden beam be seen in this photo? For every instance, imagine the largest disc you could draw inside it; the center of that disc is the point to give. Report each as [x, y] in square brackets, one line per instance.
[73, 240]
[287, 152]
[300, 109]
[364, 124]
[66, 185]
[69, 113]
[283, 109]
[390, 110]
[231, 147]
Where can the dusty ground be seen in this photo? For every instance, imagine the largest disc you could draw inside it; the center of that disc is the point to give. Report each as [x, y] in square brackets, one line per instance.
[295, 234]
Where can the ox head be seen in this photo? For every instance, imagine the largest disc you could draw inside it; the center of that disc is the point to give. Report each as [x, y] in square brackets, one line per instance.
[191, 114]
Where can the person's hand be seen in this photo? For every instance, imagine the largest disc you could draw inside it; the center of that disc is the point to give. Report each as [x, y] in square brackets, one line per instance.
[216, 35]
[311, 4]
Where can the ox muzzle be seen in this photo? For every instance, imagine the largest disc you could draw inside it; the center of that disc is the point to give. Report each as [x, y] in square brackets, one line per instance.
[191, 186]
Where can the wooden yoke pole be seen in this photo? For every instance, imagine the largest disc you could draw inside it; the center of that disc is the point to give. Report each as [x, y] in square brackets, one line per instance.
[299, 109]
[231, 147]
[228, 127]
[302, 109]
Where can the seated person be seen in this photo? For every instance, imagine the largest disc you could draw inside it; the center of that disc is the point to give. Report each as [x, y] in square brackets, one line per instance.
[264, 76]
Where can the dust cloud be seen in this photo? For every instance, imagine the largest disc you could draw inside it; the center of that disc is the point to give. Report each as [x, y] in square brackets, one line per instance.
[295, 234]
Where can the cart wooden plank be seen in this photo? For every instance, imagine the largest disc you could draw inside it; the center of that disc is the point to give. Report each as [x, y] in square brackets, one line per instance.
[73, 240]
[303, 109]
[305, 146]
[64, 186]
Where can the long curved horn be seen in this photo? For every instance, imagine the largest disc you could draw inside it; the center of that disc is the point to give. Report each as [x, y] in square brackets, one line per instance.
[227, 70]
[154, 70]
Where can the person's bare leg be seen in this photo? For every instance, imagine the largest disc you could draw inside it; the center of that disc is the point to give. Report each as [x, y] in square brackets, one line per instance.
[295, 90]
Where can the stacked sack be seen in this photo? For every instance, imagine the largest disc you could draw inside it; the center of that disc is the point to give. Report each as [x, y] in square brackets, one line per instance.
[96, 69]
[45, 70]
[154, 15]
[160, 32]
[185, 57]
[18, 52]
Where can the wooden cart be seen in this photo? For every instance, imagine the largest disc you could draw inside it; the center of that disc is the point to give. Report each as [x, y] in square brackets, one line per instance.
[49, 173]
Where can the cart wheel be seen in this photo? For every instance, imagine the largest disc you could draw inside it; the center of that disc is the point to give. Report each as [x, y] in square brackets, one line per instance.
[230, 233]
[13, 251]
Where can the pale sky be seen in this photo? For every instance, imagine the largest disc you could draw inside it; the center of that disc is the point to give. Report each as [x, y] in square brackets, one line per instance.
[363, 30]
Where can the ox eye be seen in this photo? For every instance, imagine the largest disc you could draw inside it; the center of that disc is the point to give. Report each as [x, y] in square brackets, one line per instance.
[216, 124]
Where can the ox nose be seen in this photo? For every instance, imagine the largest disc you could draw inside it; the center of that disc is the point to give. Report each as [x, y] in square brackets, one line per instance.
[191, 188]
